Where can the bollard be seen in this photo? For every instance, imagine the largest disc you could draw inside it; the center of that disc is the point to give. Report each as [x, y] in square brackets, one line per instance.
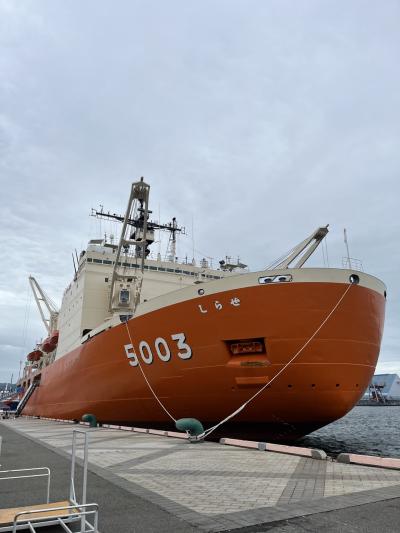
[192, 426]
[91, 419]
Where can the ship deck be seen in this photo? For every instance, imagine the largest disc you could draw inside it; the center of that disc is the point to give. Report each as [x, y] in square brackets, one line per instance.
[146, 482]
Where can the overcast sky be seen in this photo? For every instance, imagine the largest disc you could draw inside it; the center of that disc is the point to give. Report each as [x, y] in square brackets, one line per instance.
[258, 120]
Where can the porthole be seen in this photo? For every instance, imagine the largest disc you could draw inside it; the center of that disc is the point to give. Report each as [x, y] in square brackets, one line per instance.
[200, 292]
[337, 384]
[354, 279]
[290, 386]
[312, 384]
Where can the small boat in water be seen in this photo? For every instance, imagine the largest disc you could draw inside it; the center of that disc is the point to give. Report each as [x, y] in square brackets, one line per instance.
[141, 340]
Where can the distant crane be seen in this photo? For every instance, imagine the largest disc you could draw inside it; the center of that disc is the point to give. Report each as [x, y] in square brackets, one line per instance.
[47, 308]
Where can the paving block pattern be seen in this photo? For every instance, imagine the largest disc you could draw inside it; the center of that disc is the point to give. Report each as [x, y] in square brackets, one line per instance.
[217, 487]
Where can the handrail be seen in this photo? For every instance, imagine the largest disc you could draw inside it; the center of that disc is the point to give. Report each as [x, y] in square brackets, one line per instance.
[46, 474]
[26, 397]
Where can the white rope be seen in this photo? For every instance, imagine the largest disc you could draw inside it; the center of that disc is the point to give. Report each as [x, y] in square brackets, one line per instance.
[147, 381]
[213, 428]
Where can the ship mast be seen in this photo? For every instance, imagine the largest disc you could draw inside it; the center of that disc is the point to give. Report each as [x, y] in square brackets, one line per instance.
[45, 305]
[137, 235]
[171, 250]
[123, 296]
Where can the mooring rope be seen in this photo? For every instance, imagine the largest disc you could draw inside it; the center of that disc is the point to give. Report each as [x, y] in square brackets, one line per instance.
[246, 403]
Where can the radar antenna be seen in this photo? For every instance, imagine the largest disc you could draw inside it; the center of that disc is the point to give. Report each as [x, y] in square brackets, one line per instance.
[172, 227]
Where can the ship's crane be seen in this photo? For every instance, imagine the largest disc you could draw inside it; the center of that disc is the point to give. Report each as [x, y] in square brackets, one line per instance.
[302, 251]
[47, 308]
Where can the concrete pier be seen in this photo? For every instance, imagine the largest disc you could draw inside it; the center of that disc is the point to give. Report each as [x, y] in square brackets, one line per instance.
[147, 482]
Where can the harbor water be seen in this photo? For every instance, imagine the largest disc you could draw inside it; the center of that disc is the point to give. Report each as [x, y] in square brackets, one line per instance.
[365, 430]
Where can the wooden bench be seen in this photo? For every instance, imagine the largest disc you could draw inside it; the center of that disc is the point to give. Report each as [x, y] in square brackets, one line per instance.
[7, 515]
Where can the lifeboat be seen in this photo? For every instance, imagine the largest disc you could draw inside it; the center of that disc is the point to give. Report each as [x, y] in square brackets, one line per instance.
[54, 338]
[47, 346]
[50, 344]
[34, 356]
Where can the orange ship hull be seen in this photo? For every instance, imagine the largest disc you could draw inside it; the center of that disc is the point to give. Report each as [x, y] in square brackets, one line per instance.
[320, 386]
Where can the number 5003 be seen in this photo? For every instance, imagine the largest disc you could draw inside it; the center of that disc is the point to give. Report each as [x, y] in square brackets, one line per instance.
[160, 347]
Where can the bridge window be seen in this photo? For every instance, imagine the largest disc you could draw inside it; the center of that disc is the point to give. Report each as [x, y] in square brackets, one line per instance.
[124, 296]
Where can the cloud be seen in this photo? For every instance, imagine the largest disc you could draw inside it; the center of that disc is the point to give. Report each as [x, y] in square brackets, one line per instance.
[258, 121]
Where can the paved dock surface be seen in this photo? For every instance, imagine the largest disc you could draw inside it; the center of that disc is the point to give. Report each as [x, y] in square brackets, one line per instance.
[119, 510]
[147, 483]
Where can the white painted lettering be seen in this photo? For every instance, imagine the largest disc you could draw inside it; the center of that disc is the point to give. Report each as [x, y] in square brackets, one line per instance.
[181, 338]
[131, 355]
[165, 353]
[145, 352]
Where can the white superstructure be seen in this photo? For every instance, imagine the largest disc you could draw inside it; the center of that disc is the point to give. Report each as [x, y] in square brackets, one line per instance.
[85, 304]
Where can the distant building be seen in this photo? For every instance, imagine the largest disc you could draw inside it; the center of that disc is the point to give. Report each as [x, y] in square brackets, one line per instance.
[388, 385]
